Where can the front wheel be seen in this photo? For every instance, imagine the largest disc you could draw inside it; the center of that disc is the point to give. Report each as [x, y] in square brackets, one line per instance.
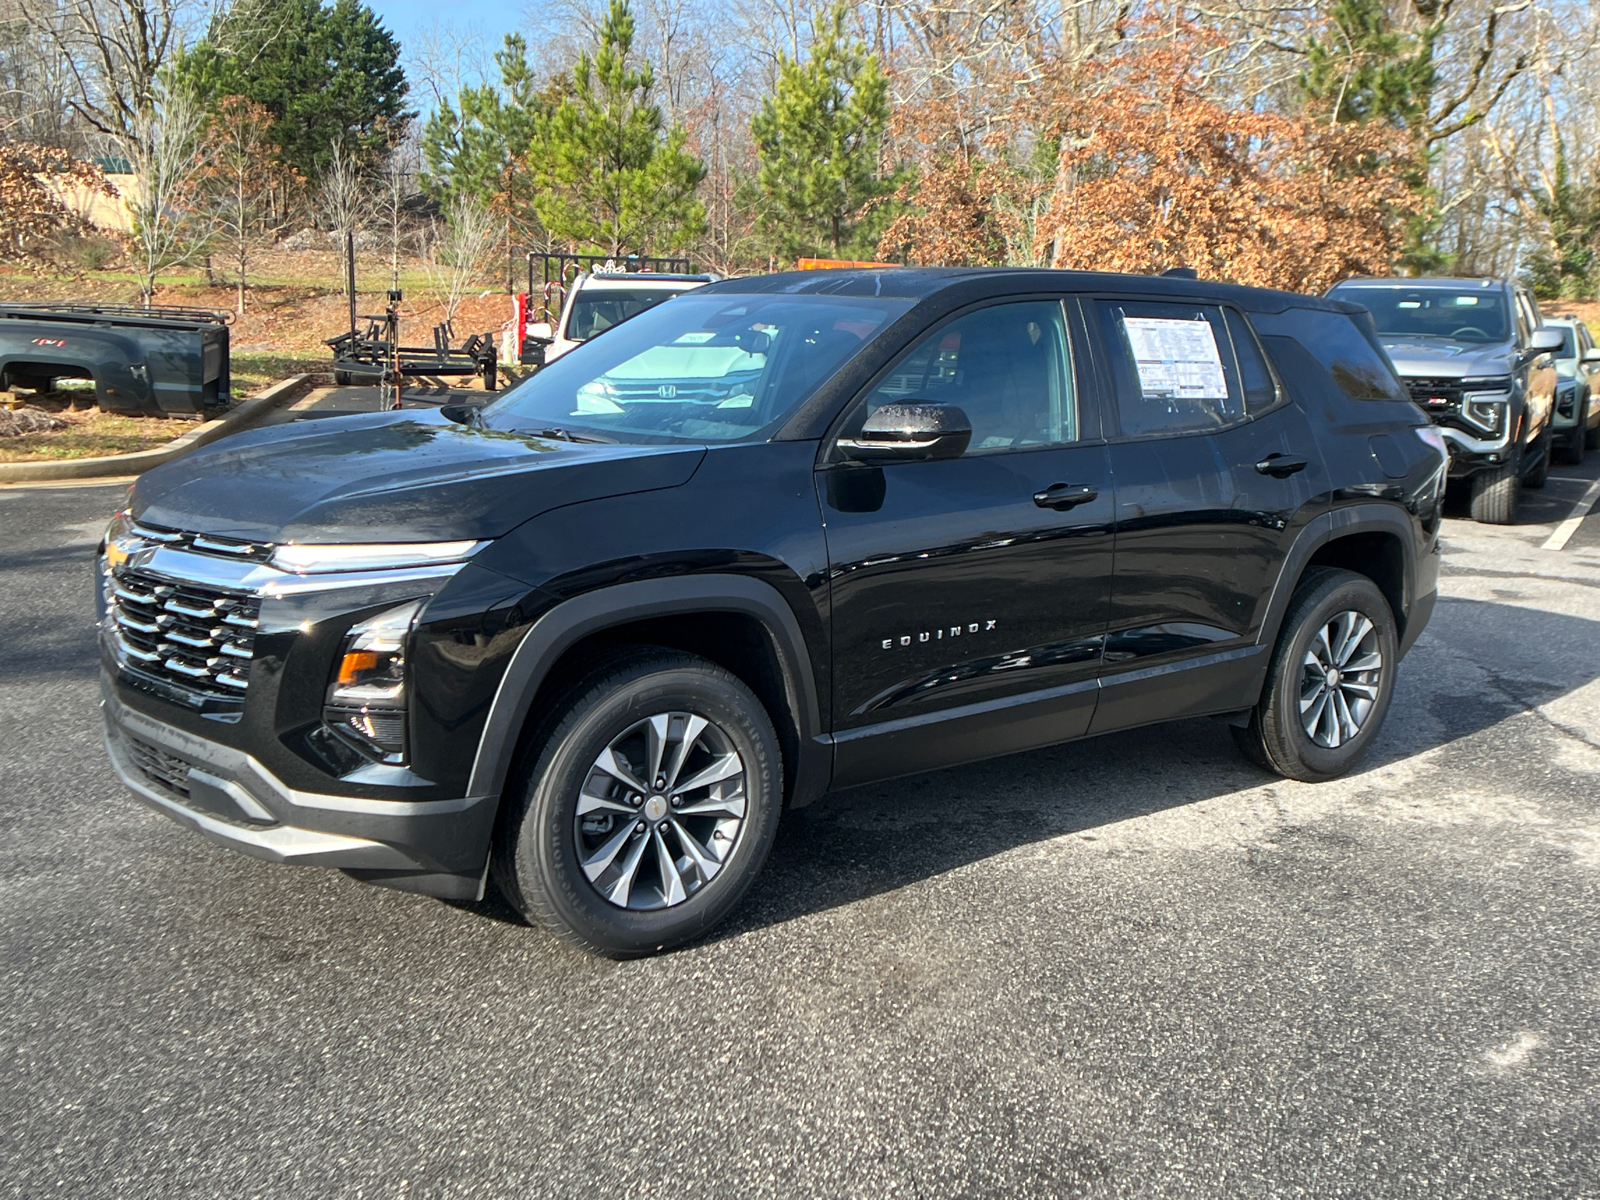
[1572, 452]
[647, 805]
[1539, 475]
[1495, 494]
[1330, 681]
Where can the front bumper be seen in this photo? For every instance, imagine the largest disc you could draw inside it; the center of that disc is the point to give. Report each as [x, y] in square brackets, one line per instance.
[438, 847]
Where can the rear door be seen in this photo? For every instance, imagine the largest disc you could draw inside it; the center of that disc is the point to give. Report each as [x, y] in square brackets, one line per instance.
[969, 597]
[1216, 470]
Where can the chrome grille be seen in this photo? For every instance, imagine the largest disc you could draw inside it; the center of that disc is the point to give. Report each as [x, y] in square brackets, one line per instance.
[204, 543]
[196, 637]
[168, 770]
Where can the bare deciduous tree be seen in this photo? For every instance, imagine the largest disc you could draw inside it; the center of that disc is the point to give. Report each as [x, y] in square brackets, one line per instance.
[459, 252]
[161, 144]
[343, 198]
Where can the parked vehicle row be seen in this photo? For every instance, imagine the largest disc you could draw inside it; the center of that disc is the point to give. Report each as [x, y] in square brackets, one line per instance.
[773, 537]
[1477, 356]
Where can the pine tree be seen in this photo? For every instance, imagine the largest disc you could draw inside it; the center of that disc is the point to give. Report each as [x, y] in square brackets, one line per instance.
[469, 150]
[607, 175]
[820, 134]
[1364, 69]
[1564, 267]
[326, 74]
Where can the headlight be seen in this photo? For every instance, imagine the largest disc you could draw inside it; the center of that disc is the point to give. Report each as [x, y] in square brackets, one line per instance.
[370, 556]
[367, 698]
[1486, 410]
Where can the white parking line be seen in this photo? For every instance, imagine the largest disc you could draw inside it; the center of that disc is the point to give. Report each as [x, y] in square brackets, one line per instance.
[1580, 510]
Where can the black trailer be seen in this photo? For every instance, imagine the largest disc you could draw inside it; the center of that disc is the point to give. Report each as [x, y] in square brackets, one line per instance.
[154, 362]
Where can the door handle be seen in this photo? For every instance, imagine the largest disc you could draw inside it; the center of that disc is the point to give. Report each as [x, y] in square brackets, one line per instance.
[1280, 466]
[1062, 496]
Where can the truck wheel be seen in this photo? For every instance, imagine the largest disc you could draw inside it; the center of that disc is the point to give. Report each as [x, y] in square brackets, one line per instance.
[1572, 452]
[647, 805]
[1540, 474]
[1330, 681]
[1494, 495]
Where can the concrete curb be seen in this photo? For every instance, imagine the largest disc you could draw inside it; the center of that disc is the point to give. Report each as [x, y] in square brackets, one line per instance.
[247, 413]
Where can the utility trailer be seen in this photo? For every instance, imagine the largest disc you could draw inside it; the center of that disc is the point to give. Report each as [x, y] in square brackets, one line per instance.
[163, 361]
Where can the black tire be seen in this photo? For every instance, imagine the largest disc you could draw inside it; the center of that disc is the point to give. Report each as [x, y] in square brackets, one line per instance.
[1495, 494]
[536, 859]
[1572, 452]
[1276, 737]
[1539, 474]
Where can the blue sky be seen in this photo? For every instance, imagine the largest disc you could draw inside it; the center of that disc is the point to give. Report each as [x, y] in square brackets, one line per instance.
[408, 18]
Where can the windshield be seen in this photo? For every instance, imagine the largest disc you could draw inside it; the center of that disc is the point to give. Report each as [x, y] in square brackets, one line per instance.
[1462, 316]
[714, 368]
[596, 310]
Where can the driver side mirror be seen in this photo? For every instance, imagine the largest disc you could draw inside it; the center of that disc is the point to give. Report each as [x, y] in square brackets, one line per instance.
[911, 432]
[1591, 355]
[1545, 340]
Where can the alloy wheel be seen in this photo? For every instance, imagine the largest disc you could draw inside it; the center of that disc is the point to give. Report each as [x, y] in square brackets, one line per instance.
[1340, 677]
[661, 811]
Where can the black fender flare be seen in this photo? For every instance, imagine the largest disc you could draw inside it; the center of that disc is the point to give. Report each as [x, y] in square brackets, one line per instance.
[1327, 527]
[592, 612]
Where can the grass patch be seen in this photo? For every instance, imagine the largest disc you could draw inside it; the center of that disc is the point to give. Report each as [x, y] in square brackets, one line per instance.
[92, 435]
[253, 370]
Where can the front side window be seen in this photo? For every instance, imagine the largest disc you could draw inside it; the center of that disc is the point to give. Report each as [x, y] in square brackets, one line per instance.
[713, 368]
[1461, 315]
[1173, 367]
[1007, 367]
[595, 310]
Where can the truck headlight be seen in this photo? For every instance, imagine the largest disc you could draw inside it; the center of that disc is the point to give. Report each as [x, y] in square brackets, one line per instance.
[1486, 410]
[367, 699]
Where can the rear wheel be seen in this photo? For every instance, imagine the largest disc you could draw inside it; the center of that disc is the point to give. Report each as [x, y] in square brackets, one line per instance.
[1330, 681]
[1494, 495]
[647, 805]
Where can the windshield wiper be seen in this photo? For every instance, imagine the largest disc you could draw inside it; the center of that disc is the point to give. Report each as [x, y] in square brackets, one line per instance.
[566, 435]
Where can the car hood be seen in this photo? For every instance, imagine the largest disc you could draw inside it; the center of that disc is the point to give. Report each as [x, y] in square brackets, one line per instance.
[1437, 358]
[402, 477]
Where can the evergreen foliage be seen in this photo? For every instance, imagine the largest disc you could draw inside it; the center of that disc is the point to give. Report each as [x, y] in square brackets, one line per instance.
[327, 74]
[607, 174]
[1565, 266]
[1364, 69]
[467, 149]
[820, 136]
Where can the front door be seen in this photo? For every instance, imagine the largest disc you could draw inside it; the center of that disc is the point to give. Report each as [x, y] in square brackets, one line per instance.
[970, 596]
[1215, 470]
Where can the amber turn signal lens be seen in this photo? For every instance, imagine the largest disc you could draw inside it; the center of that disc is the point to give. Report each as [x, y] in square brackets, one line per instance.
[356, 663]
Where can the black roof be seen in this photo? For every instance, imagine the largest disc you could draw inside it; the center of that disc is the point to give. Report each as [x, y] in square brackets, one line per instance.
[919, 283]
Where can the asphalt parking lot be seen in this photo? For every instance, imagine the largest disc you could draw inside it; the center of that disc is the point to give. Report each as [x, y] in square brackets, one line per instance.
[1128, 967]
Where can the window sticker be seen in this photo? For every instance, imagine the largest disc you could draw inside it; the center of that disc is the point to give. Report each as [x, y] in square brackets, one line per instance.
[692, 339]
[1177, 360]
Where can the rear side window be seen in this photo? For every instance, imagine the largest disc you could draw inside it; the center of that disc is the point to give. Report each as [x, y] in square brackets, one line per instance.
[1318, 349]
[1173, 366]
[1260, 388]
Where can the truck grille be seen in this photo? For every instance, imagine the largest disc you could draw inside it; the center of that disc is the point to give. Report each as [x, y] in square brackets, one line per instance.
[197, 638]
[168, 770]
[1435, 395]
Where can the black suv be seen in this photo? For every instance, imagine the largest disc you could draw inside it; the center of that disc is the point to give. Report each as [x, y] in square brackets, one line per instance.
[775, 536]
[1476, 356]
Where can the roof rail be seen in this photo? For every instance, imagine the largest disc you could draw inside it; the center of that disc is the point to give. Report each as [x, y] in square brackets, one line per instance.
[159, 312]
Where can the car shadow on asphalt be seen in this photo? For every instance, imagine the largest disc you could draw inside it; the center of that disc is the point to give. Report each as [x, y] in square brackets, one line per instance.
[1478, 664]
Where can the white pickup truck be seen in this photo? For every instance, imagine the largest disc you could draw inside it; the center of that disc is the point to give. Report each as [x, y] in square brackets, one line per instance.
[595, 301]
